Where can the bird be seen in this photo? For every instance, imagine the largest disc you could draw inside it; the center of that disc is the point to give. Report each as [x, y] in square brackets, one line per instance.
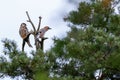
[24, 33]
[41, 33]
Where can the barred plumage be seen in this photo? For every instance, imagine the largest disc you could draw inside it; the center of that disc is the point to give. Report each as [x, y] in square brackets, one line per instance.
[23, 31]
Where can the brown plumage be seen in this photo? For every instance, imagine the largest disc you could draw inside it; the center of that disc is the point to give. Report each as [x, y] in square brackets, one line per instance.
[24, 33]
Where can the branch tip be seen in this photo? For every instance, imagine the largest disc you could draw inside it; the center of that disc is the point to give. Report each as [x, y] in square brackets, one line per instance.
[40, 17]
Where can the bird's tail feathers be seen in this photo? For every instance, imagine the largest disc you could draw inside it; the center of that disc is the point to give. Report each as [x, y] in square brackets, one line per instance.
[29, 44]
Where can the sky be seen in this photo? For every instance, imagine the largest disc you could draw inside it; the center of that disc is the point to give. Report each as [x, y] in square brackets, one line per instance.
[13, 13]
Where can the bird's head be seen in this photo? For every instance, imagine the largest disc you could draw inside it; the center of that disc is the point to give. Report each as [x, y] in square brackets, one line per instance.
[47, 28]
[23, 24]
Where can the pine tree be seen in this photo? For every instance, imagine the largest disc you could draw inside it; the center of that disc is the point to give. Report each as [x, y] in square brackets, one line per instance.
[92, 44]
[19, 64]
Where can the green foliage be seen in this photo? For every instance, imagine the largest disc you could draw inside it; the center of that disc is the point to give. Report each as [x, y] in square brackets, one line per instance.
[94, 45]
[91, 47]
[42, 76]
[84, 9]
[19, 64]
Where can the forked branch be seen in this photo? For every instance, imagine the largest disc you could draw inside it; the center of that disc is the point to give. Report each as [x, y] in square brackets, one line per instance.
[29, 20]
[38, 44]
[39, 23]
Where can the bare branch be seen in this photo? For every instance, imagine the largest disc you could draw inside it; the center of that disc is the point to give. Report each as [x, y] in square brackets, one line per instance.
[42, 42]
[38, 44]
[39, 23]
[115, 3]
[29, 20]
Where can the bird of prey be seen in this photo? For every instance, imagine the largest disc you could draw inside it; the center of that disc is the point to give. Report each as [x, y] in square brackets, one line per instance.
[24, 33]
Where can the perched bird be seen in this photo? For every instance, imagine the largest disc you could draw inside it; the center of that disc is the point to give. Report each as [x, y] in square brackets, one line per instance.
[41, 33]
[24, 33]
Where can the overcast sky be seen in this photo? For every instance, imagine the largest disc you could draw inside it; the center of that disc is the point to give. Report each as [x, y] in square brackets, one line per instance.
[12, 14]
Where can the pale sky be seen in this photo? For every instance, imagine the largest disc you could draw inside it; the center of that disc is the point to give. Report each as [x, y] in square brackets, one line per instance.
[12, 14]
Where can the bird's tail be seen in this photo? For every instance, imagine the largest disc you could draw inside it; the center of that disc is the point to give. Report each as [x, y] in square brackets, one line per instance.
[27, 40]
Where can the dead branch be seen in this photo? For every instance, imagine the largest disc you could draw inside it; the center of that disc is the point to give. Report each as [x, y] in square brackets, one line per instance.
[115, 3]
[38, 44]
[42, 42]
[39, 23]
[29, 20]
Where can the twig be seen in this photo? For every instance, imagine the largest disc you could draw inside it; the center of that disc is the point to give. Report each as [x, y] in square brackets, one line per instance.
[115, 4]
[29, 20]
[42, 42]
[39, 23]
